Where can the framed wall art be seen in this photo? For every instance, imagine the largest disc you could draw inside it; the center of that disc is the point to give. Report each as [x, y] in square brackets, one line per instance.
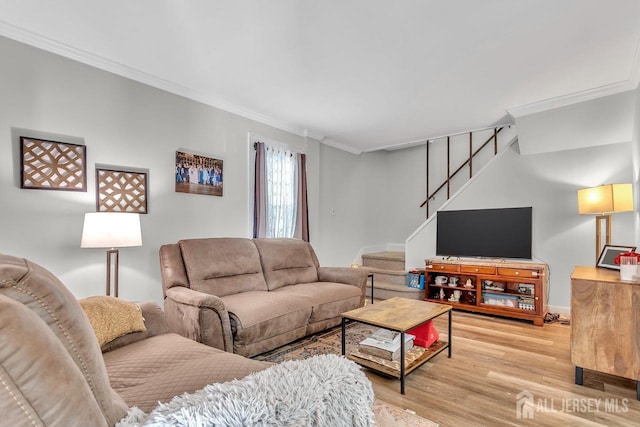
[50, 165]
[198, 174]
[121, 191]
[609, 254]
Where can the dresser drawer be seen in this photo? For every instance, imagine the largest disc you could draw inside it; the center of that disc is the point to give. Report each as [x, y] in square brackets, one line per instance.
[449, 268]
[519, 272]
[477, 269]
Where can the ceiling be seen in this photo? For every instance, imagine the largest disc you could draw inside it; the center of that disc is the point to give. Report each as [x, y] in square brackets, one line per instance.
[361, 75]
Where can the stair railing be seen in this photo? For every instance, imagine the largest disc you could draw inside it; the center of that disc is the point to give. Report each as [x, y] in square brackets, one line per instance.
[469, 161]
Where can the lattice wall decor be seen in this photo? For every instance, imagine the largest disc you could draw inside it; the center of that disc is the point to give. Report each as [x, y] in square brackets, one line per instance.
[49, 165]
[121, 191]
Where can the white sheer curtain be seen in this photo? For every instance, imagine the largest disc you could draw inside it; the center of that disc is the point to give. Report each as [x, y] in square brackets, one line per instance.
[281, 170]
[280, 193]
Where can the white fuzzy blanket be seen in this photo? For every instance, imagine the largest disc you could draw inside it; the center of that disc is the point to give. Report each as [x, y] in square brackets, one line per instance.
[326, 390]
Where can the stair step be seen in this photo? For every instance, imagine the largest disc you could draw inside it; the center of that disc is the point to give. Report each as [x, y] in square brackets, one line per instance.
[386, 290]
[386, 255]
[386, 260]
[389, 271]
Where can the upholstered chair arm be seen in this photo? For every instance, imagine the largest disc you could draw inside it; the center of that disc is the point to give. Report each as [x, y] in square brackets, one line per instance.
[154, 321]
[198, 316]
[351, 276]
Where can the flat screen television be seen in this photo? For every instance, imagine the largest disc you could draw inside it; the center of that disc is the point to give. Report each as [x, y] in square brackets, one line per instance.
[485, 233]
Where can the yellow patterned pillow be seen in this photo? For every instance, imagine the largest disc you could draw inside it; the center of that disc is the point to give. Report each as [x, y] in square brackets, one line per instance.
[112, 317]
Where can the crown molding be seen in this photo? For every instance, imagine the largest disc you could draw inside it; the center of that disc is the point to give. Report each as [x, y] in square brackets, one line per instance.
[423, 141]
[53, 46]
[349, 149]
[570, 99]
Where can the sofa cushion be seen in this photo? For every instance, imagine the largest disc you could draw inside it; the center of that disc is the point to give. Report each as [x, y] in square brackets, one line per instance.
[287, 262]
[222, 266]
[257, 316]
[34, 366]
[40, 291]
[155, 323]
[327, 299]
[158, 368]
[112, 317]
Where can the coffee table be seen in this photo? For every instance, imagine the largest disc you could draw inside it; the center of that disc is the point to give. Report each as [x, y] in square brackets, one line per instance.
[398, 314]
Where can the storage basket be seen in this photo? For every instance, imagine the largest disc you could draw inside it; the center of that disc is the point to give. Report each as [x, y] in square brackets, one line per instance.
[500, 300]
[527, 303]
[415, 280]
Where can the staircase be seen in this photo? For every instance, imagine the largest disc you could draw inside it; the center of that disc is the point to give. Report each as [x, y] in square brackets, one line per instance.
[390, 277]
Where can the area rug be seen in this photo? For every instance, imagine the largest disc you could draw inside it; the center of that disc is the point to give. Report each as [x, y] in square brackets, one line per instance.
[326, 342]
[330, 342]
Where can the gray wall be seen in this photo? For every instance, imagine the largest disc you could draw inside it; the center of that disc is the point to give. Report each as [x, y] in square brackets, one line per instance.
[122, 123]
[375, 197]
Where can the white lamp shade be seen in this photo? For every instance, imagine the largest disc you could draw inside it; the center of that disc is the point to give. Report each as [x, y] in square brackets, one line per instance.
[605, 199]
[111, 230]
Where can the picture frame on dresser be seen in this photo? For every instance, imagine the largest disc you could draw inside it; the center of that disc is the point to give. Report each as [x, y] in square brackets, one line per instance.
[609, 254]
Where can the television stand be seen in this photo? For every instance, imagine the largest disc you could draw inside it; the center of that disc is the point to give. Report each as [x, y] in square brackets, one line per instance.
[514, 289]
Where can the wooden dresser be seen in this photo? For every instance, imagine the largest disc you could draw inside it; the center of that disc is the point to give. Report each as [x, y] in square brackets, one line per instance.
[605, 323]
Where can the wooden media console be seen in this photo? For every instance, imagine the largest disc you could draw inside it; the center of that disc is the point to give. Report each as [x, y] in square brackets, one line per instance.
[504, 288]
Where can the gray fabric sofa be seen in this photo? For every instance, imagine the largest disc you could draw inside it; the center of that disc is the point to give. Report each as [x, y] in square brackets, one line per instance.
[248, 296]
[54, 373]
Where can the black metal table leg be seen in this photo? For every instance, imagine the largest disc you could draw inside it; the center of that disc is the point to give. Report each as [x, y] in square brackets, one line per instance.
[579, 375]
[371, 276]
[450, 336]
[344, 350]
[402, 362]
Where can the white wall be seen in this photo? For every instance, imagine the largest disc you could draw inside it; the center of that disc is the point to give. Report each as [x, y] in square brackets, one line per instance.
[376, 196]
[549, 178]
[549, 182]
[122, 123]
[600, 121]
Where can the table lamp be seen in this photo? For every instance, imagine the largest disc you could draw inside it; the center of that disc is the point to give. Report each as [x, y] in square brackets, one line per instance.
[111, 230]
[603, 201]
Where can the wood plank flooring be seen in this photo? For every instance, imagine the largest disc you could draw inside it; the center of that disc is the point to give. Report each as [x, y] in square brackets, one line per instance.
[496, 359]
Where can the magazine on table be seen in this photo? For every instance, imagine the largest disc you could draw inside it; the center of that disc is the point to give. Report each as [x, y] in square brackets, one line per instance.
[386, 335]
[385, 350]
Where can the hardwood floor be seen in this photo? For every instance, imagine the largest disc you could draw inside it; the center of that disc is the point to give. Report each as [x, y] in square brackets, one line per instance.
[496, 359]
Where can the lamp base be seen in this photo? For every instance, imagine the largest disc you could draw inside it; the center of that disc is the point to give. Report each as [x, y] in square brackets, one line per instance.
[112, 253]
[607, 224]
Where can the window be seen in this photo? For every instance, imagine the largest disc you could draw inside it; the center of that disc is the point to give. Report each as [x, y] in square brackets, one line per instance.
[280, 193]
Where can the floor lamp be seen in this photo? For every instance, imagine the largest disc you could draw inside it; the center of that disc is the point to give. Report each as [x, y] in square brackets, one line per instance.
[111, 230]
[603, 201]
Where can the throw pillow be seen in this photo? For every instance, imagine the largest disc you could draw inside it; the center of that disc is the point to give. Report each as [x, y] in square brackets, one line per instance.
[112, 317]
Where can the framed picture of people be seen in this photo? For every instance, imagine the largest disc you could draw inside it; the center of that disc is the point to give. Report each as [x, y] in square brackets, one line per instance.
[198, 174]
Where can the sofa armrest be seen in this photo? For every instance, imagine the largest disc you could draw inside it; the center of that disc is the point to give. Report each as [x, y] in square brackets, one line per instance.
[154, 321]
[198, 316]
[351, 276]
